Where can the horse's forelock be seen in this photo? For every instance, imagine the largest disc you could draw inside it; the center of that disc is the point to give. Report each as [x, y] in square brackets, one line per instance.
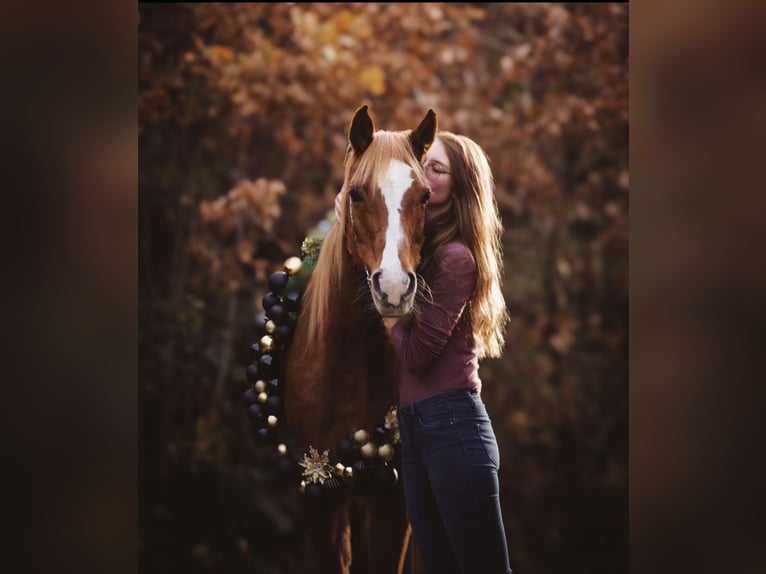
[385, 147]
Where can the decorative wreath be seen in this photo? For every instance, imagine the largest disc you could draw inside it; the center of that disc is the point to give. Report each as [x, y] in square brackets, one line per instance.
[366, 462]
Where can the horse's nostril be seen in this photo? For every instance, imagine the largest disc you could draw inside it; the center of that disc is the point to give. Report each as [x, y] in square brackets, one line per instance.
[411, 286]
[376, 283]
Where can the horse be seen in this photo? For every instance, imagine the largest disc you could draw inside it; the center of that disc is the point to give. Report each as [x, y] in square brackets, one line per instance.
[341, 367]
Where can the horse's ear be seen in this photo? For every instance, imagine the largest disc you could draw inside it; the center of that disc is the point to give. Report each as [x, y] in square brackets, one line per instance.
[423, 136]
[362, 129]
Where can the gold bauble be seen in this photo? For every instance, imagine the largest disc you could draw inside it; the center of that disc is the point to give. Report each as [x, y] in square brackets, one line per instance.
[262, 397]
[386, 452]
[272, 421]
[270, 326]
[267, 343]
[369, 450]
[348, 471]
[361, 436]
[339, 469]
[260, 386]
[282, 448]
[302, 487]
[293, 265]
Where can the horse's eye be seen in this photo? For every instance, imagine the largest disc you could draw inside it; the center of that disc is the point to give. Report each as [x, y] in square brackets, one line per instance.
[425, 197]
[355, 194]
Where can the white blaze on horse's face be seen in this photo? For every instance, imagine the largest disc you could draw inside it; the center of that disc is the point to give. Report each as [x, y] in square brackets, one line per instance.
[399, 210]
[392, 285]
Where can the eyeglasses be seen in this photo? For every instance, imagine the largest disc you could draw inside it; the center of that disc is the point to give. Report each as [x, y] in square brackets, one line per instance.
[435, 170]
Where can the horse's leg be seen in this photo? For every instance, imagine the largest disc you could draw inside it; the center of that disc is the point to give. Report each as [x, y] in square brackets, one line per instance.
[386, 534]
[413, 564]
[360, 543]
[328, 527]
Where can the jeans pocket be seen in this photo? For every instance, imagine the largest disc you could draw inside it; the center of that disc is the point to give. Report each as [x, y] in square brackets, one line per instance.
[436, 416]
[479, 442]
[489, 441]
[436, 419]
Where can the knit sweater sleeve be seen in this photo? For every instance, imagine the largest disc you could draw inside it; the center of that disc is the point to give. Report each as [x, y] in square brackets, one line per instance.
[421, 341]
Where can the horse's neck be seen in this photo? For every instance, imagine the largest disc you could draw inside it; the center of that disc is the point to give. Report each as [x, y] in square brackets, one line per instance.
[352, 299]
[353, 336]
[345, 378]
[350, 320]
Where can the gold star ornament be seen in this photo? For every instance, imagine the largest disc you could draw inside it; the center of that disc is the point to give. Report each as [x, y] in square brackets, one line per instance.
[316, 466]
[392, 423]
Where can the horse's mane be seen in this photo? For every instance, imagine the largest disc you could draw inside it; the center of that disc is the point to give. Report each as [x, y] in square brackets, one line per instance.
[333, 259]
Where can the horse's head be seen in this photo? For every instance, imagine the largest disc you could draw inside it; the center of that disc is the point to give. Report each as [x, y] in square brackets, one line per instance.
[385, 192]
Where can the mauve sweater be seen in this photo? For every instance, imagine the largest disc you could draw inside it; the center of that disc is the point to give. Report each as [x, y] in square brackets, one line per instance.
[436, 350]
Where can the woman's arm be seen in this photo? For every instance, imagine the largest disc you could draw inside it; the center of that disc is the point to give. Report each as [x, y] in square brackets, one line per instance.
[438, 314]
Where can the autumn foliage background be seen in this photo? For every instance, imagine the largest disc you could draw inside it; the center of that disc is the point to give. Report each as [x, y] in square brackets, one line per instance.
[243, 115]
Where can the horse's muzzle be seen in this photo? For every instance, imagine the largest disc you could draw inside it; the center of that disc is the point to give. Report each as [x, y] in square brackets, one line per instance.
[393, 293]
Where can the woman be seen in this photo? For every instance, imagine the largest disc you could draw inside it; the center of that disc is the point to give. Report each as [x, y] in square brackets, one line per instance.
[450, 458]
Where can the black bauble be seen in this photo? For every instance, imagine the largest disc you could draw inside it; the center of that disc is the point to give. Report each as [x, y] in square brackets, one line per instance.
[292, 301]
[250, 396]
[273, 385]
[346, 450]
[255, 412]
[364, 482]
[379, 435]
[252, 372]
[283, 333]
[385, 476]
[278, 313]
[277, 281]
[314, 490]
[260, 324]
[269, 299]
[266, 365]
[274, 405]
[264, 434]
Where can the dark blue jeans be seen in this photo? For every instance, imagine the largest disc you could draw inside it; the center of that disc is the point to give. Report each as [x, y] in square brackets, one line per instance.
[449, 470]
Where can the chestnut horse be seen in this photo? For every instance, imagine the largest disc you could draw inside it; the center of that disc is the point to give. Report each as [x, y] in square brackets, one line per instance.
[341, 368]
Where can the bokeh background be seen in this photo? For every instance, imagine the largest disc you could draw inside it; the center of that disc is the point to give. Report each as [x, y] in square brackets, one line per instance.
[243, 112]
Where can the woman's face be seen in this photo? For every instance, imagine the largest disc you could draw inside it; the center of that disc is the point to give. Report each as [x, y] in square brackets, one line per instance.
[437, 169]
